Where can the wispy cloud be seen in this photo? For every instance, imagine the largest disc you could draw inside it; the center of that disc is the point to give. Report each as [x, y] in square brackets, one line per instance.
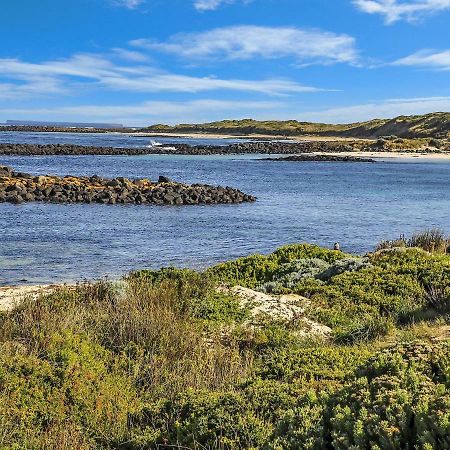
[395, 10]
[246, 42]
[19, 78]
[129, 4]
[210, 5]
[430, 59]
[383, 109]
[199, 5]
[150, 112]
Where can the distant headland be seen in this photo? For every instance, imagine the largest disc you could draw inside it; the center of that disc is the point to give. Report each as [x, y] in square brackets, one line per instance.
[433, 125]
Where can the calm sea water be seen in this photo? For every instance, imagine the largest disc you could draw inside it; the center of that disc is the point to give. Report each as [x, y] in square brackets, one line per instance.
[355, 204]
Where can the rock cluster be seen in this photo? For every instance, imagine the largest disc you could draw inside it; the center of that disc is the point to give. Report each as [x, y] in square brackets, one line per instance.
[322, 158]
[17, 187]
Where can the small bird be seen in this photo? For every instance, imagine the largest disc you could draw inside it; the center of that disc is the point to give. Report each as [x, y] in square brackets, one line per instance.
[337, 246]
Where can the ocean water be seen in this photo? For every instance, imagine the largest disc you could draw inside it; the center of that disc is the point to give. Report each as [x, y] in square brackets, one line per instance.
[356, 204]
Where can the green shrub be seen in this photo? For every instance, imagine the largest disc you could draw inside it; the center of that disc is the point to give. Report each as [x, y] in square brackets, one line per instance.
[258, 269]
[76, 386]
[312, 363]
[398, 400]
[164, 359]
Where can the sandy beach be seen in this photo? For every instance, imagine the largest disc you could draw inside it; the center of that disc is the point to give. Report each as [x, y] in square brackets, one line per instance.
[422, 156]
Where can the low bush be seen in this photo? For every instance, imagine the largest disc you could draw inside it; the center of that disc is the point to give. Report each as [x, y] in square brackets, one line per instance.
[164, 360]
[255, 270]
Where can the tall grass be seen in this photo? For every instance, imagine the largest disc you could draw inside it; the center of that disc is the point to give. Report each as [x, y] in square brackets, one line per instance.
[103, 351]
[433, 240]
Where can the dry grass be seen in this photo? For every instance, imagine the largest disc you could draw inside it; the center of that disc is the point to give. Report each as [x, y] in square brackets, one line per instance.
[433, 240]
[148, 323]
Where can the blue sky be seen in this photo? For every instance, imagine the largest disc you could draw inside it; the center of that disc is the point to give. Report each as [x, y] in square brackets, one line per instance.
[140, 62]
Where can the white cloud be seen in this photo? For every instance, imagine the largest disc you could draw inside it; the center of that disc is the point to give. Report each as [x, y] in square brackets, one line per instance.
[199, 5]
[130, 4]
[210, 5]
[246, 42]
[383, 109]
[197, 111]
[430, 59]
[395, 10]
[19, 78]
[150, 112]
[130, 55]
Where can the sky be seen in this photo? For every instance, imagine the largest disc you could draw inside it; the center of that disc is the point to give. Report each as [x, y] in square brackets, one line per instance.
[141, 62]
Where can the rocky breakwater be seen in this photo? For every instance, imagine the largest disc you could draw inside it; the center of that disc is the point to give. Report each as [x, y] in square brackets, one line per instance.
[67, 150]
[17, 187]
[264, 147]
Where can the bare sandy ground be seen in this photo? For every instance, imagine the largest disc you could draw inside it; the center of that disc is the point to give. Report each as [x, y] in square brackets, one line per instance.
[10, 296]
[396, 155]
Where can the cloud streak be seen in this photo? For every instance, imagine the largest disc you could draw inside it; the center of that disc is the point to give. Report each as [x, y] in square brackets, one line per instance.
[20, 78]
[210, 5]
[383, 109]
[129, 4]
[302, 46]
[396, 10]
[430, 59]
[146, 113]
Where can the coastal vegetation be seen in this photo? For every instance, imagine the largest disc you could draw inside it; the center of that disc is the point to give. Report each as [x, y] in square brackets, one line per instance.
[433, 125]
[175, 359]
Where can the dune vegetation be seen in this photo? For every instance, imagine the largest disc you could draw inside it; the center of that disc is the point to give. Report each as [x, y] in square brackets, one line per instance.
[174, 359]
[433, 125]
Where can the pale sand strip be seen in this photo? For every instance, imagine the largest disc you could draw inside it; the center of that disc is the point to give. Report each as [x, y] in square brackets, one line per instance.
[395, 155]
[10, 296]
[246, 136]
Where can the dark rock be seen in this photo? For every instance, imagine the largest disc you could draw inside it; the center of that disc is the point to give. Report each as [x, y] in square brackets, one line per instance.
[20, 187]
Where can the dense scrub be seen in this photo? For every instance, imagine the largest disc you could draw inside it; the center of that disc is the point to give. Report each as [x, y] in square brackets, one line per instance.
[164, 359]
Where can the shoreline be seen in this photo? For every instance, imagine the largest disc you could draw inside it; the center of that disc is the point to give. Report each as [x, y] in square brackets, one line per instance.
[271, 137]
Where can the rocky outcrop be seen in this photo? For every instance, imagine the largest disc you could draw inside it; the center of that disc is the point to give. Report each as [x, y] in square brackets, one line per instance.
[322, 158]
[285, 308]
[17, 187]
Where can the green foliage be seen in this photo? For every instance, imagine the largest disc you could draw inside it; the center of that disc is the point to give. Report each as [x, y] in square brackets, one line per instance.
[290, 275]
[255, 270]
[76, 390]
[312, 363]
[434, 125]
[166, 360]
[396, 401]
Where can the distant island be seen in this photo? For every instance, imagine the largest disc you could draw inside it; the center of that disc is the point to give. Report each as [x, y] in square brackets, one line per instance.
[36, 123]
